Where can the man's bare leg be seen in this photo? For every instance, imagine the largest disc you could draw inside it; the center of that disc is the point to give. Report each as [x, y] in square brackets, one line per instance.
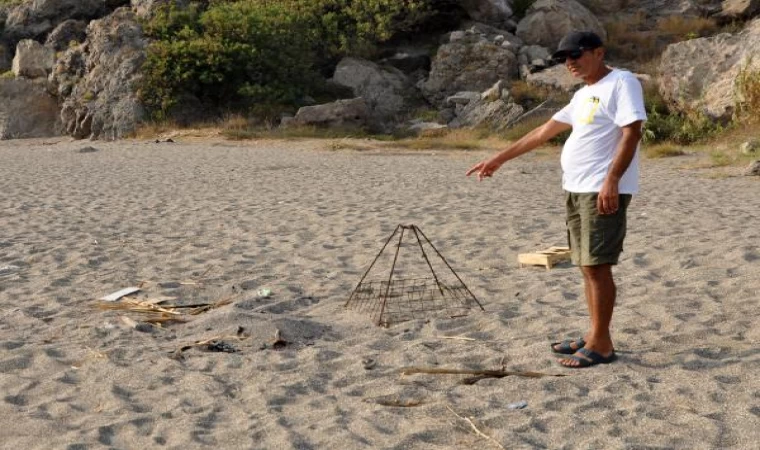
[600, 297]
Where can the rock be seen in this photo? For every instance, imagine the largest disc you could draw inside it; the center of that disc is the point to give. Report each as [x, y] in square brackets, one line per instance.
[547, 21]
[753, 169]
[32, 59]
[35, 19]
[533, 58]
[473, 63]
[493, 109]
[556, 77]
[456, 36]
[462, 98]
[493, 93]
[97, 81]
[732, 10]
[492, 12]
[27, 110]
[388, 93]
[87, 149]
[750, 147]
[495, 115]
[700, 74]
[351, 113]
[68, 33]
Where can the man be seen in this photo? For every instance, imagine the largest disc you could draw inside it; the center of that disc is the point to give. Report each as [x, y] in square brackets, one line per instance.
[600, 174]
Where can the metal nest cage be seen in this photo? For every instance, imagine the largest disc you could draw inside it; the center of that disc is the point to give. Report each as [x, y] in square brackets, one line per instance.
[398, 298]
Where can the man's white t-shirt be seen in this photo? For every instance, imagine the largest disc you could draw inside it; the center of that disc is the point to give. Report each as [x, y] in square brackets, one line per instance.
[597, 113]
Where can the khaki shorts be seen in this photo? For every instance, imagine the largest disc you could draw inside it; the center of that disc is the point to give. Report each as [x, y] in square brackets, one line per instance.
[594, 239]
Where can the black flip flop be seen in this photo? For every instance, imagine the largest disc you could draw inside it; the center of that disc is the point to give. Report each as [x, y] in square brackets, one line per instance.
[565, 347]
[589, 358]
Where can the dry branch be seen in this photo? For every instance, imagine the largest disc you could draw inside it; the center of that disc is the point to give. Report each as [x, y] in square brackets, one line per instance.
[396, 402]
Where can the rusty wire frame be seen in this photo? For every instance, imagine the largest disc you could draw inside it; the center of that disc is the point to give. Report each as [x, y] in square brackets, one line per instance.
[395, 300]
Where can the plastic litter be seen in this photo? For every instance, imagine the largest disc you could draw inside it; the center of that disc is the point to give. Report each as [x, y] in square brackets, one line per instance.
[264, 293]
[518, 405]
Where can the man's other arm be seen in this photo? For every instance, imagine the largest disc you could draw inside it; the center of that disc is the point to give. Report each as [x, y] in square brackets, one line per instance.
[607, 202]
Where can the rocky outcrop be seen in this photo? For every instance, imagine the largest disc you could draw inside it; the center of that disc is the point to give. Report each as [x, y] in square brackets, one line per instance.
[492, 109]
[35, 19]
[351, 113]
[33, 60]
[472, 60]
[700, 74]
[68, 33]
[547, 21]
[387, 91]
[27, 110]
[97, 81]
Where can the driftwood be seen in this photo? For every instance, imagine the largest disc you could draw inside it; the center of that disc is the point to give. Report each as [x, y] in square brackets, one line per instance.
[480, 373]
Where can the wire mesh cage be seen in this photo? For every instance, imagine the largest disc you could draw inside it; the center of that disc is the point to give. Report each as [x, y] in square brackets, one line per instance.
[398, 297]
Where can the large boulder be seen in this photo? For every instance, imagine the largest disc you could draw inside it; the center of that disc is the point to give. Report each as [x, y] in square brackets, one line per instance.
[98, 80]
[387, 91]
[700, 74]
[27, 110]
[492, 12]
[35, 19]
[493, 109]
[351, 113]
[547, 21]
[472, 60]
[33, 60]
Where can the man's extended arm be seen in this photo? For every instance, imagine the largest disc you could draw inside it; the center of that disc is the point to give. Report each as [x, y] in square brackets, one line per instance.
[523, 145]
[607, 202]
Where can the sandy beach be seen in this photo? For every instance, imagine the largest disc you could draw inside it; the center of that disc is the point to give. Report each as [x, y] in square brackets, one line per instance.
[280, 232]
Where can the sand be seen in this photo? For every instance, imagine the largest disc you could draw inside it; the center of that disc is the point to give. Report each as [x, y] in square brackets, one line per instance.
[208, 220]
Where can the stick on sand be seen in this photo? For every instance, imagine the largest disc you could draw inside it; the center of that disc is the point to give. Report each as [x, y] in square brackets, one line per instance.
[477, 431]
[487, 373]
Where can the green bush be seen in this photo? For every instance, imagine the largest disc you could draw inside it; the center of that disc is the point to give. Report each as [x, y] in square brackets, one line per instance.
[236, 54]
[664, 125]
[747, 89]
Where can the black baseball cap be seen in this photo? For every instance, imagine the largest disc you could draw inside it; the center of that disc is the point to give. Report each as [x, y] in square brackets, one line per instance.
[576, 41]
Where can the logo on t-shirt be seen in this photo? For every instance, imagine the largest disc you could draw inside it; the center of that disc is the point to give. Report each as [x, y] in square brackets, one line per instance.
[588, 110]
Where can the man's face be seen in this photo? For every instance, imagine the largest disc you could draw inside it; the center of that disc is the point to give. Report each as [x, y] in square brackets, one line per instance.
[586, 63]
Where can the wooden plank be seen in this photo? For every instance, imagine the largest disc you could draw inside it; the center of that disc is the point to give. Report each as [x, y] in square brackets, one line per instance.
[547, 258]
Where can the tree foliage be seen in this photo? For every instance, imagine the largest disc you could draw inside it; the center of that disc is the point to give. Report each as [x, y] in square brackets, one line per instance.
[240, 53]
